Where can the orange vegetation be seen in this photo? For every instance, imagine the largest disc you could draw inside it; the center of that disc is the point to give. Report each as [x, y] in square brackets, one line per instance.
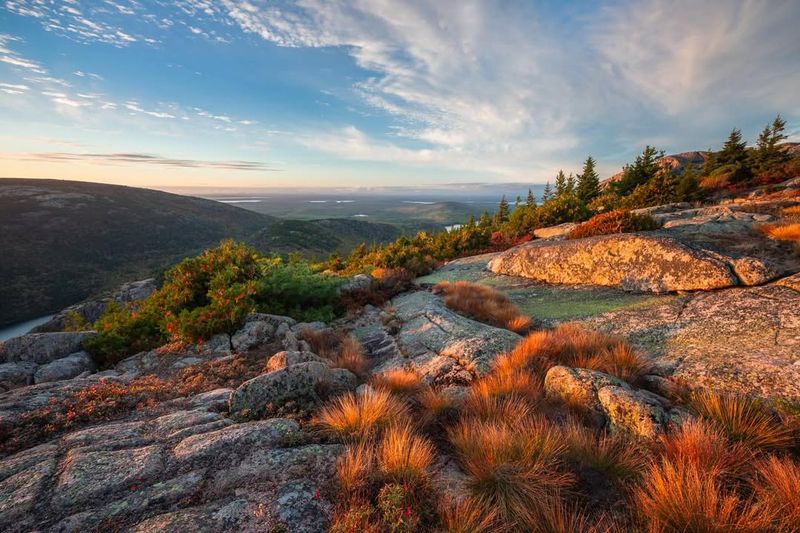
[404, 456]
[617, 221]
[399, 381]
[782, 232]
[358, 416]
[483, 304]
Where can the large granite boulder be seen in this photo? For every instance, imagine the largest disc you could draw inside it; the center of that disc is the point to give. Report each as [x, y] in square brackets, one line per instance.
[299, 382]
[429, 327]
[42, 348]
[634, 262]
[633, 412]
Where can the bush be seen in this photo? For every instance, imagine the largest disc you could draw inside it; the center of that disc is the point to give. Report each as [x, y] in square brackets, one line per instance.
[617, 221]
[213, 293]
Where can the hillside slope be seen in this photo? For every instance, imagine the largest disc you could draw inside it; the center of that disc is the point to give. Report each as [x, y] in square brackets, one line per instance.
[65, 240]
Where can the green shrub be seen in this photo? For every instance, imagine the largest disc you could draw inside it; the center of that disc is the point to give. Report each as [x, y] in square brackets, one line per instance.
[210, 294]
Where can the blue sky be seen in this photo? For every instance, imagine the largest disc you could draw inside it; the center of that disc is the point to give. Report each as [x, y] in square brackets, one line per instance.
[376, 92]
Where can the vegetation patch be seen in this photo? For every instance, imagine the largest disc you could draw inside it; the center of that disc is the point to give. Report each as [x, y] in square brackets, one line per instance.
[617, 221]
[483, 304]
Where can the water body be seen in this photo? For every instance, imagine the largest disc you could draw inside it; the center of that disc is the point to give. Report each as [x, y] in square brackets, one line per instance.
[21, 328]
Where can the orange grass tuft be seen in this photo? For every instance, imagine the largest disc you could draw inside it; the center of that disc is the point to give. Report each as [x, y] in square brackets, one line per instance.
[351, 357]
[404, 456]
[572, 345]
[777, 488]
[512, 468]
[483, 304]
[487, 408]
[520, 384]
[399, 381]
[359, 416]
[467, 516]
[698, 443]
[782, 232]
[323, 342]
[614, 455]
[679, 496]
[743, 419]
[355, 468]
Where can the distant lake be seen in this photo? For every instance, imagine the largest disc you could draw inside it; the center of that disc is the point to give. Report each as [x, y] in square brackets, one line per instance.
[21, 328]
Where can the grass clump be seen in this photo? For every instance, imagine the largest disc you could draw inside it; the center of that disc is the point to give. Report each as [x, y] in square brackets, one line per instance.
[403, 456]
[467, 516]
[350, 356]
[511, 468]
[782, 232]
[777, 488]
[617, 457]
[617, 221]
[703, 445]
[400, 381]
[572, 345]
[359, 416]
[484, 304]
[743, 419]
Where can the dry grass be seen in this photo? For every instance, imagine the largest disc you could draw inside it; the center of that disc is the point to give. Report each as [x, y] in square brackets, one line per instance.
[679, 496]
[323, 342]
[356, 469]
[572, 345]
[468, 516]
[403, 456]
[507, 410]
[436, 409]
[704, 446]
[560, 517]
[350, 356]
[615, 456]
[777, 487]
[360, 416]
[743, 419]
[519, 384]
[483, 304]
[793, 211]
[782, 232]
[399, 381]
[512, 469]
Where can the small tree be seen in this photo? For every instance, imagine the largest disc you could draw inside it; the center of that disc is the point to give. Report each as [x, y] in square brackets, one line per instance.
[734, 151]
[588, 182]
[531, 200]
[767, 152]
[643, 169]
[501, 215]
[547, 194]
[561, 183]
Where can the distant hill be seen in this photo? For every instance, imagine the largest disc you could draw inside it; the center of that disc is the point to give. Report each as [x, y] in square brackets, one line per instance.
[62, 241]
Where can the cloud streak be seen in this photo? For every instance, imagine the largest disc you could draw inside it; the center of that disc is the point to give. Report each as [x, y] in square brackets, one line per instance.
[138, 159]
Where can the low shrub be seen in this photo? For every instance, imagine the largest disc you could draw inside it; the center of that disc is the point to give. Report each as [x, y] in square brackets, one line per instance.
[617, 221]
[483, 304]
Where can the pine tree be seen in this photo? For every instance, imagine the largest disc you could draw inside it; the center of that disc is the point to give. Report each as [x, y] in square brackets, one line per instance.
[561, 183]
[734, 151]
[687, 188]
[588, 182]
[570, 183]
[643, 169]
[767, 152]
[518, 201]
[471, 221]
[531, 201]
[484, 221]
[501, 215]
[548, 193]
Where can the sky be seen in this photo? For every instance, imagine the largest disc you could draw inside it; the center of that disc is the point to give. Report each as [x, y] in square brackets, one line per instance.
[322, 93]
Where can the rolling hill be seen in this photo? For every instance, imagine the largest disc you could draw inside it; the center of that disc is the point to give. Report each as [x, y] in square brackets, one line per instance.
[63, 241]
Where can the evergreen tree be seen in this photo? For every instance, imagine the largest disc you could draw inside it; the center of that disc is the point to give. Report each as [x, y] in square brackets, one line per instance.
[484, 221]
[687, 188]
[471, 221]
[531, 201]
[767, 151]
[561, 183]
[570, 183]
[588, 182]
[734, 151]
[643, 169]
[518, 201]
[501, 215]
[547, 194]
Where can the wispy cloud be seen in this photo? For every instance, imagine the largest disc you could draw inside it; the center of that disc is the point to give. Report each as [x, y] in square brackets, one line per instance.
[136, 159]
